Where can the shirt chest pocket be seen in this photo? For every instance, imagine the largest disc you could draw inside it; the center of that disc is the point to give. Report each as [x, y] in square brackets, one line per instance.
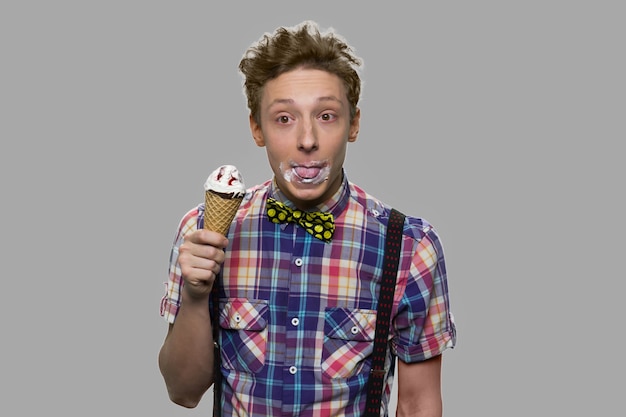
[243, 336]
[348, 341]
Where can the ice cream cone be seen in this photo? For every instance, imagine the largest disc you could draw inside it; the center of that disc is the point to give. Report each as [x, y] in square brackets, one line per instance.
[220, 211]
[224, 191]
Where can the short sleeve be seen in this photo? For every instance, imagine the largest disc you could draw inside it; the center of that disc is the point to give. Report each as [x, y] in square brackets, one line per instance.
[424, 326]
[170, 302]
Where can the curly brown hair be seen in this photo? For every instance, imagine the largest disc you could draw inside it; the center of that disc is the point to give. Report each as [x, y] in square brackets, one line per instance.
[301, 46]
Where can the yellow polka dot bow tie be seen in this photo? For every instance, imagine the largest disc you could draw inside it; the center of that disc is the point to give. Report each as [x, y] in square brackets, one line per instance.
[319, 224]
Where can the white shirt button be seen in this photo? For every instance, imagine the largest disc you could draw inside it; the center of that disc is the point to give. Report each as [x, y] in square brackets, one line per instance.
[375, 213]
[293, 370]
[295, 321]
[299, 262]
[237, 318]
[354, 330]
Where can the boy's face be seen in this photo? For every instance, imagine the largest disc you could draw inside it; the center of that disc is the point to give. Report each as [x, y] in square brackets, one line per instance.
[305, 128]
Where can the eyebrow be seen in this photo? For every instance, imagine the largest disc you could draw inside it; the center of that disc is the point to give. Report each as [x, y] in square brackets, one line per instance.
[291, 101]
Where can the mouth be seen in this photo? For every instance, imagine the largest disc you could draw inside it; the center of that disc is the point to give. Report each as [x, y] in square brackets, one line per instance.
[308, 174]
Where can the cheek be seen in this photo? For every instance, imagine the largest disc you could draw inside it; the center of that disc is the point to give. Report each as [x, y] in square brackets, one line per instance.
[274, 153]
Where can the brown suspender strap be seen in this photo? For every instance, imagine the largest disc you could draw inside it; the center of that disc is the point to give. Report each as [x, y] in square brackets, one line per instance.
[375, 382]
[217, 357]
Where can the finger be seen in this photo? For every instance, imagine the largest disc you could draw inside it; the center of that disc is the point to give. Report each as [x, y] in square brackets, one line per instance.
[200, 261]
[200, 286]
[196, 255]
[200, 278]
[206, 237]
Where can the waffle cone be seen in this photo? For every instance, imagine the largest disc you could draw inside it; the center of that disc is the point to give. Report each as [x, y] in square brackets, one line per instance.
[219, 211]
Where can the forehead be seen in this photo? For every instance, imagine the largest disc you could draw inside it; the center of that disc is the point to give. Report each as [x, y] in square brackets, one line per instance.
[301, 85]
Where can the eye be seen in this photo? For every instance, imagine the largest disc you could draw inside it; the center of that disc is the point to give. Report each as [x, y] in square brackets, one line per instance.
[283, 119]
[327, 117]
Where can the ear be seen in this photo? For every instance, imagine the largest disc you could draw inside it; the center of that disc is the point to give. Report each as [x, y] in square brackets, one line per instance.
[354, 126]
[257, 132]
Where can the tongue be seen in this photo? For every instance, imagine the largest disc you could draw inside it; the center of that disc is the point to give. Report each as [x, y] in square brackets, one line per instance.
[307, 173]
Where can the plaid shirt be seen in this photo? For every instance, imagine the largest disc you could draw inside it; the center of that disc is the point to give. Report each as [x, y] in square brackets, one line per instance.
[297, 315]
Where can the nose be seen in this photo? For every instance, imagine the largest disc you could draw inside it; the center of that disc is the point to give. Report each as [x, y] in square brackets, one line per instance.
[307, 137]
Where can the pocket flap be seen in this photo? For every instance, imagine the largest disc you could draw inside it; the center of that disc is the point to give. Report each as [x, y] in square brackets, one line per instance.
[350, 324]
[243, 314]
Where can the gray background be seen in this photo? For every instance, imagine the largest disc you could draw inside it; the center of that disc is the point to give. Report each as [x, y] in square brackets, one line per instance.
[500, 122]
